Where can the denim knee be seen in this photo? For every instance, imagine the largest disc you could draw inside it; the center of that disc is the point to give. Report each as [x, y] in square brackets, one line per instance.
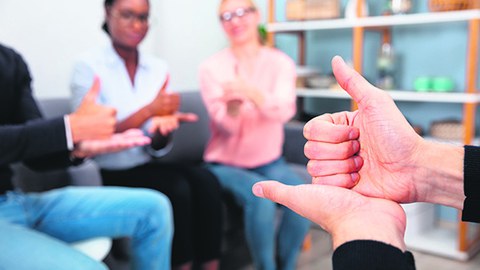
[265, 209]
[158, 209]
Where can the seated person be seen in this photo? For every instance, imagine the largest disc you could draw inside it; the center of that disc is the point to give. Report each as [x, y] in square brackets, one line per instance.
[135, 83]
[38, 225]
[249, 92]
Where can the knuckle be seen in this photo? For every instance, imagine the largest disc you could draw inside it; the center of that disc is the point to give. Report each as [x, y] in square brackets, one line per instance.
[312, 168]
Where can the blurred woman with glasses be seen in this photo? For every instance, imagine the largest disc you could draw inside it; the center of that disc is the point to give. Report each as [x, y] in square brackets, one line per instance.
[249, 91]
[135, 84]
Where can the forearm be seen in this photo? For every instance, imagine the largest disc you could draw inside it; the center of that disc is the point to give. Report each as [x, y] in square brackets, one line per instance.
[136, 120]
[279, 113]
[471, 167]
[375, 229]
[438, 174]
[32, 140]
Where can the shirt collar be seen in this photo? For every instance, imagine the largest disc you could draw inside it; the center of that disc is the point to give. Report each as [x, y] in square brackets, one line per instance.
[114, 59]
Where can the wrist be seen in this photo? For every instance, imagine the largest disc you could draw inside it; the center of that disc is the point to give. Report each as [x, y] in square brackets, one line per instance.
[439, 177]
[77, 157]
[148, 111]
[391, 232]
[256, 97]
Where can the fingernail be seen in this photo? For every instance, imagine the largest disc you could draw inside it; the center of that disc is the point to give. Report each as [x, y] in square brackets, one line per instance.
[356, 146]
[306, 130]
[258, 190]
[355, 177]
[358, 162]
[352, 135]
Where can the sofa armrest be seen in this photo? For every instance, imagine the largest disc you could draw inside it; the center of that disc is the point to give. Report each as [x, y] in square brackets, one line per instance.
[85, 174]
[294, 143]
[28, 180]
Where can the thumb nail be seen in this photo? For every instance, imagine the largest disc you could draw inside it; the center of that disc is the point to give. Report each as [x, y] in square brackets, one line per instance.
[258, 190]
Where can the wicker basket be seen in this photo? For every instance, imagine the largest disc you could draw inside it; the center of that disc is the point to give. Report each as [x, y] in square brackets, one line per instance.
[450, 5]
[447, 130]
[298, 10]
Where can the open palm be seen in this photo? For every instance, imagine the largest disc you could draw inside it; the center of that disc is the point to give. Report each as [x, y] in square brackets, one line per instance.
[345, 214]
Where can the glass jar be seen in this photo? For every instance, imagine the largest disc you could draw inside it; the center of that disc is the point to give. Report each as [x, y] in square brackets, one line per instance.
[400, 6]
[386, 67]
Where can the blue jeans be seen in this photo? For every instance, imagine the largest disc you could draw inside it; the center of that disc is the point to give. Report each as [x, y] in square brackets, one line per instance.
[259, 214]
[38, 226]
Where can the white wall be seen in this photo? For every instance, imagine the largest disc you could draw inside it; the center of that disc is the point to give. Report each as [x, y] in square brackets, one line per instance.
[188, 32]
[51, 33]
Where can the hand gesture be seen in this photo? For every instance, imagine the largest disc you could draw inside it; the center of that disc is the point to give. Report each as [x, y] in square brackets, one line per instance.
[164, 103]
[343, 213]
[169, 123]
[372, 150]
[239, 89]
[92, 121]
[118, 142]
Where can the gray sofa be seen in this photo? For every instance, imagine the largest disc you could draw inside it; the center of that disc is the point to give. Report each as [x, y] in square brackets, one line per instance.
[190, 140]
[188, 145]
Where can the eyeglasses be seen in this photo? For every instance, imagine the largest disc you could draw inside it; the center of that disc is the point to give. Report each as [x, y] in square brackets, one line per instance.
[228, 16]
[130, 17]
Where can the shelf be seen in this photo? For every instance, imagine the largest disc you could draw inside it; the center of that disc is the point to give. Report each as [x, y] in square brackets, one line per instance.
[376, 21]
[424, 232]
[397, 95]
[440, 241]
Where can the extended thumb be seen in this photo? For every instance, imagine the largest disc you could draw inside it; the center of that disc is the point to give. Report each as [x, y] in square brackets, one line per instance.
[352, 82]
[94, 91]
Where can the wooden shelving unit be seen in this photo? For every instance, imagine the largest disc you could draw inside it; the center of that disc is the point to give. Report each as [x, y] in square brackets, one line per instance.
[463, 240]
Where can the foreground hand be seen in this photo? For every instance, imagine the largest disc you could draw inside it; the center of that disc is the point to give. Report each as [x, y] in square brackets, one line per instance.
[92, 121]
[164, 103]
[169, 123]
[343, 213]
[373, 149]
[117, 142]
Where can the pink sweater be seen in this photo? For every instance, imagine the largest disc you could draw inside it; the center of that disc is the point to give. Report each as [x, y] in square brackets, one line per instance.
[255, 137]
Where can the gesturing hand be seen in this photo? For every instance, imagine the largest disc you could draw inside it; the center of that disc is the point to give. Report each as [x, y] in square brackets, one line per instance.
[345, 214]
[372, 150]
[239, 89]
[92, 121]
[169, 123]
[117, 142]
[164, 103]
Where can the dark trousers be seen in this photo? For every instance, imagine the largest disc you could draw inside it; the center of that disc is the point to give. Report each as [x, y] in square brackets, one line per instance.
[195, 195]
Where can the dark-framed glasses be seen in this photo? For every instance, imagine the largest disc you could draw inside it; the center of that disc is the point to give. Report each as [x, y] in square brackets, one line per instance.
[228, 16]
[130, 17]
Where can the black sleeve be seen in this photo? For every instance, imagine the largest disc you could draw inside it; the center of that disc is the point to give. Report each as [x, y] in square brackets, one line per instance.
[41, 143]
[471, 174]
[371, 255]
[27, 107]
[24, 135]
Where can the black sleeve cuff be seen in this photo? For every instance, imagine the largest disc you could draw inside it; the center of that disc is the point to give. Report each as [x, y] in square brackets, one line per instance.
[471, 174]
[369, 254]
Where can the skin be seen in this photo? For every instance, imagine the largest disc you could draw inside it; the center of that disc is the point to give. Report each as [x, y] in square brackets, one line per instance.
[118, 142]
[377, 153]
[91, 120]
[343, 213]
[365, 162]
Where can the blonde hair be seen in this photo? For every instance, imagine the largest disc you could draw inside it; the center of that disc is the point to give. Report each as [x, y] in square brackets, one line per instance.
[251, 2]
